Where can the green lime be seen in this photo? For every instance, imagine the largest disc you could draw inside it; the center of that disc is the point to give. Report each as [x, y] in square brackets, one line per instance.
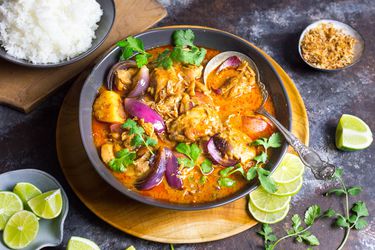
[267, 202]
[26, 191]
[21, 229]
[289, 189]
[290, 169]
[268, 218]
[130, 248]
[10, 203]
[78, 243]
[352, 133]
[47, 205]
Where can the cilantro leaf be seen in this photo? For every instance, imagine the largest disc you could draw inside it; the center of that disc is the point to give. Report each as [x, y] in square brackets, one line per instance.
[274, 141]
[133, 45]
[296, 220]
[251, 173]
[329, 213]
[225, 172]
[262, 158]
[354, 190]
[188, 56]
[184, 148]
[267, 183]
[226, 182]
[311, 214]
[341, 221]
[310, 239]
[195, 152]
[203, 179]
[183, 37]
[206, 166]
[123, 159]
[360, 209]
[336, 191]
[139, 139]
[360, 224]
[185, 162]
[338, 173]
[267, 233]
[192, 151]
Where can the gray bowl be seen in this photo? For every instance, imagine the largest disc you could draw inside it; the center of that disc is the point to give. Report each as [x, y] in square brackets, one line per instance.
[50, 231]
[206, 37]
[359, 47]
[104, 27]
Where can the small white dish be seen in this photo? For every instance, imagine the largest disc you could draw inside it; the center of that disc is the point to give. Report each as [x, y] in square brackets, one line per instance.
[359, 46]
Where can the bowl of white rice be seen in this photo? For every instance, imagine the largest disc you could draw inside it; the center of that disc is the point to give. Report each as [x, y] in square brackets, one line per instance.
[53, 33]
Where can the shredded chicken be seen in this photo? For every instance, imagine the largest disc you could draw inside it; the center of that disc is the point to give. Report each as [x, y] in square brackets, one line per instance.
[123, 79]
[200, 121]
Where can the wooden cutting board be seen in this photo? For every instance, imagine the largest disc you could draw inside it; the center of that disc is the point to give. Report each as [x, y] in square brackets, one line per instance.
[23, 88]
[149, 222]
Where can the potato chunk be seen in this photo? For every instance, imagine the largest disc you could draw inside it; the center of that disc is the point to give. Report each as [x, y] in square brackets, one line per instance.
[108, 107]
[107, 153]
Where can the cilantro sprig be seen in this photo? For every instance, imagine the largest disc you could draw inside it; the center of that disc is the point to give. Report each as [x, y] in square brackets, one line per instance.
[351, 219]
[123, 159]
[132, 45]
[184, 51]
[139, 139]
[274, 141]
[192, 153]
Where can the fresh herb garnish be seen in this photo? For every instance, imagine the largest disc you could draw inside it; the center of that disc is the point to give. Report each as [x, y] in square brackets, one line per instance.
[139, 139]
[206, 166]
[123, 159]
[184, 51]
[351, 219]
[225, 180]
[273, 142]
[192, 151]
[132, 45]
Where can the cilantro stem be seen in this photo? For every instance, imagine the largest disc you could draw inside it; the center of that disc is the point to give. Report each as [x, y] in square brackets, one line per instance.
[149, 149]
[347, 231]
[290, 235]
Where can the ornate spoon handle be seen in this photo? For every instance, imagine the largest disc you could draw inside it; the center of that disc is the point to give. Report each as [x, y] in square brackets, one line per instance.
[321, 169]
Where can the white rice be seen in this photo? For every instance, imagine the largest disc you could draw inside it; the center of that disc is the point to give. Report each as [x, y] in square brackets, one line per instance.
[48, 31]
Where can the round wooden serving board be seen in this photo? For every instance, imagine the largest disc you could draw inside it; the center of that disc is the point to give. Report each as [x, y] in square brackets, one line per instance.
[143, 221]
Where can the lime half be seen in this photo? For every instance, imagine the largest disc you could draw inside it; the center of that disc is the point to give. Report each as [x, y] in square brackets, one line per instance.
[47, 205]
[267, 202]
[268, 218]
[26, 191]
[21, 229]
[352, 133]
[290, 169]
[78, 243]
[289, 189]
[10, 203]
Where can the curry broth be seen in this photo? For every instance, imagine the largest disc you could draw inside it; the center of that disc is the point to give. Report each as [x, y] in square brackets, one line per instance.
[194, 190]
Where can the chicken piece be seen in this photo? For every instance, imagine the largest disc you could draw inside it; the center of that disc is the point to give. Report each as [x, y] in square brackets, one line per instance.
[238, 145]
[142, 164]
[165, 82]
[200, 121]
[106, 152]
[108, 107]
[123, 79]
[192, 72]
[240, 84]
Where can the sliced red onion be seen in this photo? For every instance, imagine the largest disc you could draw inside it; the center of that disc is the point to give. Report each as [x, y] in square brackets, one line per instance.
[156, 174]
[172, 170]
[115, 128]
[118, 66]
[217, 156]
[139, 109]
[142, 80]
[233, 61]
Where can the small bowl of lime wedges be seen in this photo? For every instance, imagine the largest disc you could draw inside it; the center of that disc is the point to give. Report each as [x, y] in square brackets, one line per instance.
[33, 209]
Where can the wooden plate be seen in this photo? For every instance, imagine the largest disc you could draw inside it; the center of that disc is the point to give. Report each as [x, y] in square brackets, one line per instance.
[143, 221]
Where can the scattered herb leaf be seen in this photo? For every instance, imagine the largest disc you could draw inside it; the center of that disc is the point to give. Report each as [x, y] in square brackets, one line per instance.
[132, 45]
[226, 182]
[123, 159]
[206, 166]
[274, 141]
[139, 139]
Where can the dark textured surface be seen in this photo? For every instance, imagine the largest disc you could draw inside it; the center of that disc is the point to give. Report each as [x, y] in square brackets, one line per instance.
[28, 141]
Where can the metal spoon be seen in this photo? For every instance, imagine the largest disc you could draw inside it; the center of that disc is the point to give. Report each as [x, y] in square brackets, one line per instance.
[321, 169]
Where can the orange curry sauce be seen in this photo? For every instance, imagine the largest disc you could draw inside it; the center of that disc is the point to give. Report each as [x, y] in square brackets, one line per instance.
[194, 191]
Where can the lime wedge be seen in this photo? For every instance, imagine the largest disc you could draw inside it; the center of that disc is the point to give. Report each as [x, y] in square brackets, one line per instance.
[10, 203]
[131, 248]
[26, 191]
[267, 202]
[290, 169]
[289, 189]
[268, 218]
[47, 205]
[78, 243]
[352, 133]
[21, 229]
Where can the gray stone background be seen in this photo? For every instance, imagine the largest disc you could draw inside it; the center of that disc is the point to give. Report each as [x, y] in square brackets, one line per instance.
[28, 141]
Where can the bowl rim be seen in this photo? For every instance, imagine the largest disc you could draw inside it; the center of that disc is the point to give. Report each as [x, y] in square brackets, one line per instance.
[310, 26]
[25, 63]
[168, 205]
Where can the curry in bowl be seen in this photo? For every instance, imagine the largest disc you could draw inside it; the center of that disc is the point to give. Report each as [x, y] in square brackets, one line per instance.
[169, 132]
